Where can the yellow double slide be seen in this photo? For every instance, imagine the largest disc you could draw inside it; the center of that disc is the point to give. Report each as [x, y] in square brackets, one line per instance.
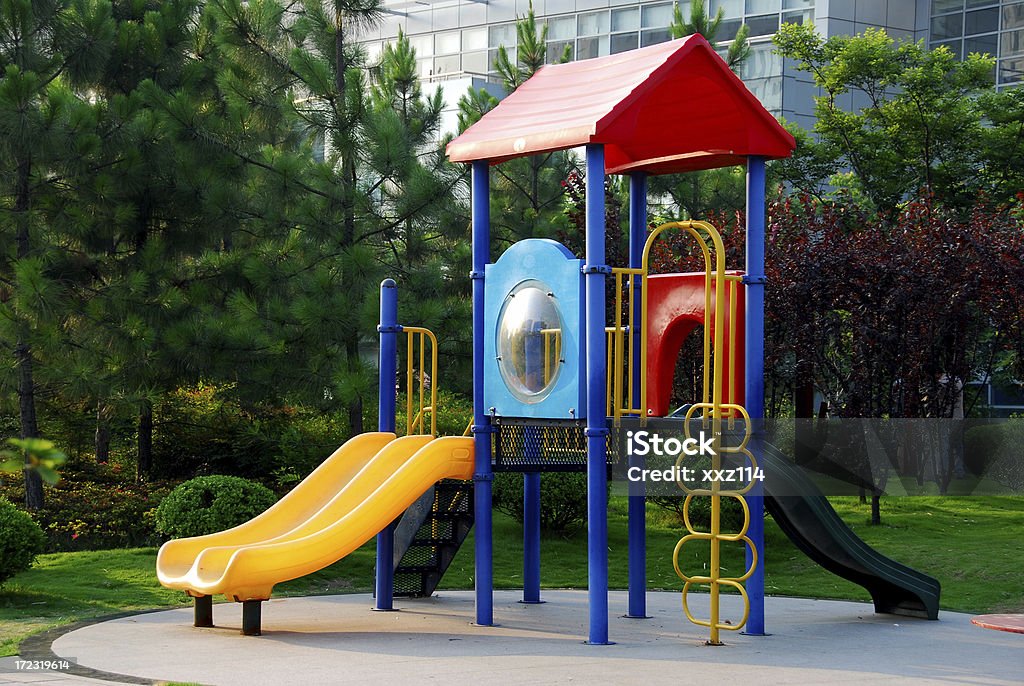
[360, 489]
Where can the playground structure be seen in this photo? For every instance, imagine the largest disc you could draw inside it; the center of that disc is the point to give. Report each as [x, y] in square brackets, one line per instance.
[551, 375]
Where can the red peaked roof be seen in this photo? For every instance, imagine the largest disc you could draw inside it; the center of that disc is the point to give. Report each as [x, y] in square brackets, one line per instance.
[670, 107]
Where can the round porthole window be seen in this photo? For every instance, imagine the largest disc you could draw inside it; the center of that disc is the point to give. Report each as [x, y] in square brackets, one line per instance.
[530, 341]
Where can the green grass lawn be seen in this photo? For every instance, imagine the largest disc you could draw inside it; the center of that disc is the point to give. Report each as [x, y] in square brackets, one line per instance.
[972, 545]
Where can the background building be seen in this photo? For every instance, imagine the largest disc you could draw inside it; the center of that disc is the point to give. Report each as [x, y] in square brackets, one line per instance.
[456, 41]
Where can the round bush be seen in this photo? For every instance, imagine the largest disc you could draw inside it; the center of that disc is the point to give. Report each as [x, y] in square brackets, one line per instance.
[208, 504]
[21, 540]
[563, 499]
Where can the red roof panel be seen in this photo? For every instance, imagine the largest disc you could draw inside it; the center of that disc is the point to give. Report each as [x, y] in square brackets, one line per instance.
[669, 107]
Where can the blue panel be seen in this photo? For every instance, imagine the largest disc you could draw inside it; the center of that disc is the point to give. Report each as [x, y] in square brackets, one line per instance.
[553, 269]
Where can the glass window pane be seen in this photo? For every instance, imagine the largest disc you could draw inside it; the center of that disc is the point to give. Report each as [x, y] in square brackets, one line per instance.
[656, 16]
[971, 4]
[492, 56]
[940, 6]
[562, 28]
[798, 18]
[595, 46]
[423, 45]
[447, 65]
[954, 46]
[424, 67]
[981, 21]
[764, 25]
[769, 92]
[556, 50]
[763, 62]
[474, 39]
[981, 44]
[626, 20]
[593, 23]
[762, 6]
[1012, 70]
[447, 43]
[733, 8]
[622, 42]
[502, 34]
[1011, 43]
[796, 4]
[475, 62]
[1013, 16]
[652, 36]
[949, 26]
[727, 30]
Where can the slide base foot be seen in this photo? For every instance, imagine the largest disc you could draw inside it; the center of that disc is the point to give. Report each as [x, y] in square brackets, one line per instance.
[203, 616]
[251, 613]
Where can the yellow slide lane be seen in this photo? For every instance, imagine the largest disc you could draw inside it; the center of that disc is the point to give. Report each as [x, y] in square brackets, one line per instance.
[385, 487]
[177, 557]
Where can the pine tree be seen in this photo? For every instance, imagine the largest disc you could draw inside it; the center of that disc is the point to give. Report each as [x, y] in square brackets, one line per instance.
[527, 193]
[46, 131]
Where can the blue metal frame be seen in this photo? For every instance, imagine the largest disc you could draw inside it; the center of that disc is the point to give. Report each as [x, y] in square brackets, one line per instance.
[555, 268]
[754, 387]
[482, 477]
[596, 379]
[387, 366]
[531, 534]
[637, 496]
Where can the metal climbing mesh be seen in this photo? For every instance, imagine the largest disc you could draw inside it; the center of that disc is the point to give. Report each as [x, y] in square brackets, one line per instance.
[548, 445]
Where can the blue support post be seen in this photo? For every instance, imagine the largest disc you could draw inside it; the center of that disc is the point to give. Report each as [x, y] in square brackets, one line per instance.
[637, 507]
[531, 534]
[596, 379]
[482, 476]
[754, 387]
[387, 369]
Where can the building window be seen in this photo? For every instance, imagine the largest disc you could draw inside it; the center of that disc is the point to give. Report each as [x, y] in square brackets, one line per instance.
[762, 6]
[625, 20]
[728, 29]
[595, 46]
[654, 36]
[656, 16]
[621, 42]
[948, 26]
[732, 8]
[1013, 16]
[940, 6]
[556, 49]
[981, 21]
[502, 34]
[593, 24]
[562, 28]
[474, 39]
[798, 18]
[981, 44]
[447, 43]
[1011, 70]
[764, 25]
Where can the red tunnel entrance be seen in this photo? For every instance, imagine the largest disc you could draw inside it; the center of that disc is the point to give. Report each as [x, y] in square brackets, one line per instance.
[675, 307]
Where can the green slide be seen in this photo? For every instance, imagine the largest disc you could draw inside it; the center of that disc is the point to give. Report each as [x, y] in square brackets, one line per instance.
[811, 523]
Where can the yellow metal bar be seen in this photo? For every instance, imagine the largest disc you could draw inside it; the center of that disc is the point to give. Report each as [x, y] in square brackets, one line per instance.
[417, 422]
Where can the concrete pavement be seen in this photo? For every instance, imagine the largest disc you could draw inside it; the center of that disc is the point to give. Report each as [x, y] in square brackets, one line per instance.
[338, 640]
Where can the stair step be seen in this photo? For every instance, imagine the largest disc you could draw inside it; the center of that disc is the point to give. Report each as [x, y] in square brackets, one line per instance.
[415, 569]
[431, 542]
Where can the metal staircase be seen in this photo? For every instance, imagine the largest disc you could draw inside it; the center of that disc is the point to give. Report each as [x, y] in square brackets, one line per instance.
[429, 535]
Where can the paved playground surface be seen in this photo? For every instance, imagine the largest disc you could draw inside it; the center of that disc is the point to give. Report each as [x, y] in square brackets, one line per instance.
[339, 640]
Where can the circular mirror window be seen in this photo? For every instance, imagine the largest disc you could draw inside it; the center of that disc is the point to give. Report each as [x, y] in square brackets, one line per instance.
[530, 341]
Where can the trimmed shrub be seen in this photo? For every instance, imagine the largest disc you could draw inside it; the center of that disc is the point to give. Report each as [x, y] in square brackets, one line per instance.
[731, 512]
[95, 507]
[208, 504]
[563, 499]
[21, 540]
